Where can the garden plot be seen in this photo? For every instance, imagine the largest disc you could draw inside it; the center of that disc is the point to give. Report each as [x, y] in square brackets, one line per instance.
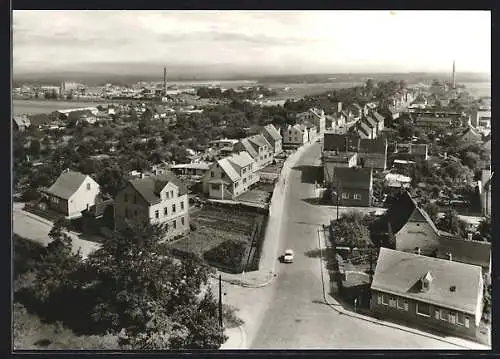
[214, 225]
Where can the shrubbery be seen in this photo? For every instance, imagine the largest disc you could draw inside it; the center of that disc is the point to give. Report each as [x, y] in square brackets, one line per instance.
[229, 255]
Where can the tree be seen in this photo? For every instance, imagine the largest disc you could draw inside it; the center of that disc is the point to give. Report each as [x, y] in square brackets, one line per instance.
[471, 160]
[432, 209]
[483, 230]
[154, 298]
[111, 179]
[350, 230]
[35, 147]
[58, 262]
[453, 224]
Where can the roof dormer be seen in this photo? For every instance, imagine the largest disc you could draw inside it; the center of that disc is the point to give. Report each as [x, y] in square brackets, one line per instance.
[426, 281]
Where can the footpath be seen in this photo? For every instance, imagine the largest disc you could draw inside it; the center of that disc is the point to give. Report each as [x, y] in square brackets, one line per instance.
[270, 246]
[339, 308]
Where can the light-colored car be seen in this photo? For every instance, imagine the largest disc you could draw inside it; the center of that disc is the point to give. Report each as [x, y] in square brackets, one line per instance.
[288, 256]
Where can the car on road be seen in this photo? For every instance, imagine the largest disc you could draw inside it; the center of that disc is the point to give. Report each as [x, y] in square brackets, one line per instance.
[288, 256]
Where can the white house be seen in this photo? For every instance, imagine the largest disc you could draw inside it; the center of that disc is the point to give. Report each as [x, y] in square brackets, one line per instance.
[230, 176]
[295, 136]
[72, 193]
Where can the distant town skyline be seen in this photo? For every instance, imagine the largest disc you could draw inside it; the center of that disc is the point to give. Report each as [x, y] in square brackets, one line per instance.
[261, 42]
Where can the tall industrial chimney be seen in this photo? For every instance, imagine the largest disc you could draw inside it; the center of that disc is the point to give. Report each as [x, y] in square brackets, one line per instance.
[453, 76]
[164, 81]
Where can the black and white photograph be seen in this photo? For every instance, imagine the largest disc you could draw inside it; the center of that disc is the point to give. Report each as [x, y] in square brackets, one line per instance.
[251, 179]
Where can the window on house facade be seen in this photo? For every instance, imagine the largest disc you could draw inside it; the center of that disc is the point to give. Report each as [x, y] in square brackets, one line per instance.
[452, 317]
[460, 319]
[173, 208]
[383, 299]
[88, 186]
[423, 309]
[212, 174]
[157, 214]
[165, 211]
[182, 220]
[172, 194]
[345, 195]
[392, 302]
[357, 196]
[402, 304]
[244, 180]
[174, 224]
[167, 195]
[466, 322]
[182, 206]
[443, 315]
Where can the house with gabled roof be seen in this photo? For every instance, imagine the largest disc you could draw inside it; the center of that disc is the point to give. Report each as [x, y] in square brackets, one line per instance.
[273, 136]
[72, 193]
[316, 116]
[433, 293]
[380, 121]
[352, 186]
[470, 136]
[372, 124]
[160, 199]
[372, 153]
[365, 130]
[230, 176]
[258, 148]
[21, 123]
[415, 232]
[295, 136]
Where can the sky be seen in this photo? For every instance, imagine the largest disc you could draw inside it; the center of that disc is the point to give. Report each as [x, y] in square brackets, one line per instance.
[267, 41]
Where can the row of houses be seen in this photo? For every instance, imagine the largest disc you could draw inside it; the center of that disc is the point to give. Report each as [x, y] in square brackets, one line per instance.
[431, 278]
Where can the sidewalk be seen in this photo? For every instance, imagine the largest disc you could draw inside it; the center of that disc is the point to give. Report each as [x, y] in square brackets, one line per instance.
[270, 247]
[337, 306]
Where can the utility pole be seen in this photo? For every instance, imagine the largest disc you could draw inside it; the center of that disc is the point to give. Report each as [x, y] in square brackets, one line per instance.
[220, 301]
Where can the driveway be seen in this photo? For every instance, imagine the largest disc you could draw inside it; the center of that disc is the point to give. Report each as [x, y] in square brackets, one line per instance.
[290, 313]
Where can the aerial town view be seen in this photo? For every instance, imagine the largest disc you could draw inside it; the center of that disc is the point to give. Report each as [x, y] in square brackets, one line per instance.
[251, 180]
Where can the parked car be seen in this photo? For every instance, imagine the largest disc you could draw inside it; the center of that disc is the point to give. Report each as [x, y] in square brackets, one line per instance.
[288, 256]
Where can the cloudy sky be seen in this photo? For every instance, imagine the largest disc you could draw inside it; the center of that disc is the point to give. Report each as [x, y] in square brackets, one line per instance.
[298, 41]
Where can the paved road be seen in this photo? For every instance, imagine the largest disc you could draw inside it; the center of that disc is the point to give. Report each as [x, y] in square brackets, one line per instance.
[29, 226]
[294, 314]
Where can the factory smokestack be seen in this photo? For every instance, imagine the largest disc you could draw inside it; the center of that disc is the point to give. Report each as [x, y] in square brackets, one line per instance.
[453, 76]
[164, 81]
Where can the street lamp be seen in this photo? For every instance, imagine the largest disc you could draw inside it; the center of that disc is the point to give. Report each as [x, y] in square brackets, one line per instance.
[337, 195]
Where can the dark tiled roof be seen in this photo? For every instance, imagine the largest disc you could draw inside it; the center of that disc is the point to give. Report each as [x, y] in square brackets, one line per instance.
[149, 187]
[66, 184]
[400, 211]
[39, 119]
[333, 141]
[273, 132]
[465, 251]
[377, 145]
[369, 121]
[363, 127]
[353, 178]
[399, 273]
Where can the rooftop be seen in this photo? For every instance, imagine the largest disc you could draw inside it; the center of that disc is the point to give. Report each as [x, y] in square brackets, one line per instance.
[454, 285]
[149, 187]
[66, 184]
